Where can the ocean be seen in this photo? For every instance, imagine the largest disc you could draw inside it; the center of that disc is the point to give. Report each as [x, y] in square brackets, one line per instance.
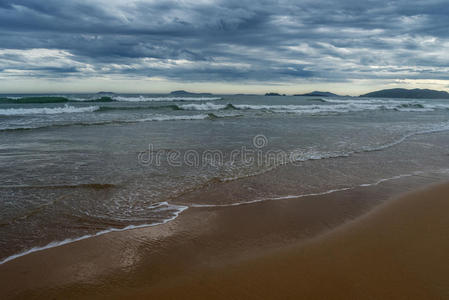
[76, 166]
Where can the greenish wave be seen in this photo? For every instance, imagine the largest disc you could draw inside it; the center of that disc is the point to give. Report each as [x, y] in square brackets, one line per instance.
[32, 100]
[50, 99]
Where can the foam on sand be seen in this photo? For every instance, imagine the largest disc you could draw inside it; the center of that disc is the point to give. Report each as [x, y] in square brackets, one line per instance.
[178, 209]
[308, 195]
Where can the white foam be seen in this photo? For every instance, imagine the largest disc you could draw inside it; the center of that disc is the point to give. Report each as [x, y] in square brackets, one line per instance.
[318, 155]
[324, 155]
[270, 107]
[314, 109]
[203, 106]
[415, 109]
[434, 129]
[173, 118]
[401, 105]
[269, 199]
[349, 105]
[310, 194]
[163, 99]
[361, 101]
[390, 178]
[46, 110]
[178, 210]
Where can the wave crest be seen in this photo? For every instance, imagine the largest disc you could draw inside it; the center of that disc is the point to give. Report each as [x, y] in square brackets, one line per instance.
[46, 110]
[163, 99]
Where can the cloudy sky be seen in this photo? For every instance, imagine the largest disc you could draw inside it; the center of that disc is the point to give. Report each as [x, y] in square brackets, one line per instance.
[233, 46]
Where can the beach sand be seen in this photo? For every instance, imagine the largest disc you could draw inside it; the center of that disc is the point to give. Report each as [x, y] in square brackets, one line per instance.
[346, 245]
[398, 251]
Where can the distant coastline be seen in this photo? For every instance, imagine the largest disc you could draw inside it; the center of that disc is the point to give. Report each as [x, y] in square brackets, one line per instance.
[183, 93]
[406, 93]
[318, 94]
[385, 93]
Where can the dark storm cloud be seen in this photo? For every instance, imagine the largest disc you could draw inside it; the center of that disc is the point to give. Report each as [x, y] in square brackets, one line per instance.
[269, 41]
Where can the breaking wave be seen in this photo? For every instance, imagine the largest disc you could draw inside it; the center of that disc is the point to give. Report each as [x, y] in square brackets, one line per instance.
[163, 99]
[51, 99]
[340, 106]
[153, 118]
[46, 110]
[66, 99]
[207, 106]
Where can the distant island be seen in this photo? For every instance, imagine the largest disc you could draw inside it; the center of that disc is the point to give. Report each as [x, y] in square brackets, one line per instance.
[105, 93]
[318, 94]
[406, 93]
[274, 94]
[185, 93]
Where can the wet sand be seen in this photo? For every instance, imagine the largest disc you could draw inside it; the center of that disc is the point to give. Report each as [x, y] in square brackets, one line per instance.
[350, 244]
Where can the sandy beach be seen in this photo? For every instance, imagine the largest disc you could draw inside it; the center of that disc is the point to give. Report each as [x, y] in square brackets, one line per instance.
[349, 244]
[397, 251]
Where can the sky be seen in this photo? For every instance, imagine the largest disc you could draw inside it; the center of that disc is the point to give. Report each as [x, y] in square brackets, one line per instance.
[234, 46]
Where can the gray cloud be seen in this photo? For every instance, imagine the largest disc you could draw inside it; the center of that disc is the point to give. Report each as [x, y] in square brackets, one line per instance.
[269, 41]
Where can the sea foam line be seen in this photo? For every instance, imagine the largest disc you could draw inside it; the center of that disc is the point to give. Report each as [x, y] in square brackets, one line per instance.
[180, 209]
[330, 155]
[310, 194]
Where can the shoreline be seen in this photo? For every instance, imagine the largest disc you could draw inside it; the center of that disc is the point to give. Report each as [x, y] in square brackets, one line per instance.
[67, 241]
[200, 240]
[182, 208]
